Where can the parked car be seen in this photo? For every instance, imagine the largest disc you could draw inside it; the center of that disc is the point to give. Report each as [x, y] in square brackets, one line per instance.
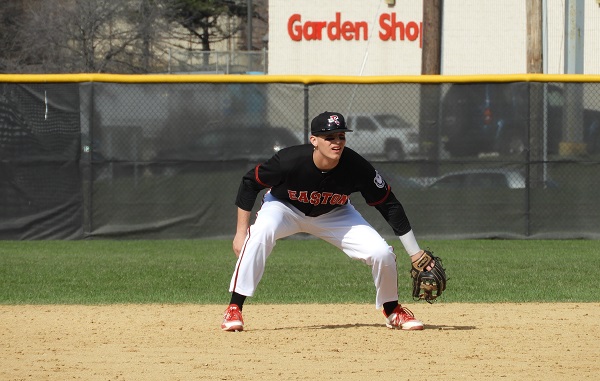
[484, 118]
[398, 181]
[386, 136]
[481, 178]
[250, 143]
[404, 182]
[491, 178]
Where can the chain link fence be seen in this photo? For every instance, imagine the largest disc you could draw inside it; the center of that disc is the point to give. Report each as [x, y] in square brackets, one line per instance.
[164, 160]
[217, 62]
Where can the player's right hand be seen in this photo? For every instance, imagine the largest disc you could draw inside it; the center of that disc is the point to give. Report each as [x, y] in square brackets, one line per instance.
[238, 243]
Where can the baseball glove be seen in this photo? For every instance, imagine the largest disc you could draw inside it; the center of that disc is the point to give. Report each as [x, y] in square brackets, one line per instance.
[428, 284]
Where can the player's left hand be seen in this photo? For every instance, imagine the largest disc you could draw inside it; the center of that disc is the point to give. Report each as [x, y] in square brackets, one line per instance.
[429, 277]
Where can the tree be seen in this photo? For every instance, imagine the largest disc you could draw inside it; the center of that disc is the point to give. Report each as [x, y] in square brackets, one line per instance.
[203, 19]
[65, 36]
[129, 36]
[11, 14]
[89, 36]
[148, 21]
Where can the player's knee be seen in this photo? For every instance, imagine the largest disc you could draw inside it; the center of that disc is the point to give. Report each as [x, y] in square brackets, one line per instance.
[263, 234]
[383, 254]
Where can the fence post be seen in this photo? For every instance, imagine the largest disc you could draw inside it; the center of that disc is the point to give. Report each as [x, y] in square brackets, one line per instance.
[306, 116]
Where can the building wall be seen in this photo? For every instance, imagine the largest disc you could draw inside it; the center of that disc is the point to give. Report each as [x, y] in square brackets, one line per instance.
[354, 37]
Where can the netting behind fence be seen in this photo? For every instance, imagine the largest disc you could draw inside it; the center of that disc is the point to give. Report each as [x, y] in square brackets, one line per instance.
[164, 160]
[40, 182]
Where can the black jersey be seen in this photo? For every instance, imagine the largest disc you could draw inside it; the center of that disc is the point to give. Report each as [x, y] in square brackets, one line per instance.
[293, 177]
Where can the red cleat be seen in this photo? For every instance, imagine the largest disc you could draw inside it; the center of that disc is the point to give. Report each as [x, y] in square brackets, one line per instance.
[402, 318]
[232, 319]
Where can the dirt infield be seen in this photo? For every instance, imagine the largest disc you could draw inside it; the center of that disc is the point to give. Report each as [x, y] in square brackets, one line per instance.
[300, 342]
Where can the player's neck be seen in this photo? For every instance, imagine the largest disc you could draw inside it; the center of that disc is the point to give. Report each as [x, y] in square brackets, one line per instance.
[324, 163]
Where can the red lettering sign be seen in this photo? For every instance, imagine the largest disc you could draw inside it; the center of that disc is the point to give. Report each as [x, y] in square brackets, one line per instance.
[390, 29]
[295, 30]
[334, 30]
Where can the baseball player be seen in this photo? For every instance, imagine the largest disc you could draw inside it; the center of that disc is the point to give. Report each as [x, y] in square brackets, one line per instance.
[309, 191]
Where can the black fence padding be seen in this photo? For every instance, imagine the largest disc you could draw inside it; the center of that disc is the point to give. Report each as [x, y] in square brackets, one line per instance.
[164, 160]
[40, 181]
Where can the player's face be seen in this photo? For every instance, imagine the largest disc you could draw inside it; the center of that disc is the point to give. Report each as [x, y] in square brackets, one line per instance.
[338, 136]
[331, 145]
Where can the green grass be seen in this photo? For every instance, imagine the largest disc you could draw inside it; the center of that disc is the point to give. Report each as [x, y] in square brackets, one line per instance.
[299, 271]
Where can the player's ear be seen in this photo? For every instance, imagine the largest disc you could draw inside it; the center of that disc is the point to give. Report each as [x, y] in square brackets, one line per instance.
[313, 140]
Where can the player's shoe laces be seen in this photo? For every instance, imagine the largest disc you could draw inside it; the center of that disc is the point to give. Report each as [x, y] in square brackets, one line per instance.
[232, 319]
[402, 318]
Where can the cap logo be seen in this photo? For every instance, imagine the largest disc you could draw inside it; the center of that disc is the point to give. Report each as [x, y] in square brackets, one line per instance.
[333, 119]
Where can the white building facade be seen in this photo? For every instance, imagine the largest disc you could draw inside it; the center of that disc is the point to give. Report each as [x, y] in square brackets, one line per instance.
[371, 37]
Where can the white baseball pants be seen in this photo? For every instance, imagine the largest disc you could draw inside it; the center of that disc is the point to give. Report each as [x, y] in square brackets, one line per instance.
[344, 228]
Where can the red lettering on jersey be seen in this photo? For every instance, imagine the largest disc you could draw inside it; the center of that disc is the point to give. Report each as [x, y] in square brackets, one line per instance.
[303, 197]
[315, 198]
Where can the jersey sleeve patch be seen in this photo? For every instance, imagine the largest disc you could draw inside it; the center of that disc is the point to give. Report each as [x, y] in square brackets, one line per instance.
[378, 180]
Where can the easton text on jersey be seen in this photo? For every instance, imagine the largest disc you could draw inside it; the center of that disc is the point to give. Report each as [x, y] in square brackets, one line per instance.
[316, 198]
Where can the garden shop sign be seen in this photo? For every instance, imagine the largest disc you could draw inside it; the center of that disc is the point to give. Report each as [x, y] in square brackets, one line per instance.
[389, 29]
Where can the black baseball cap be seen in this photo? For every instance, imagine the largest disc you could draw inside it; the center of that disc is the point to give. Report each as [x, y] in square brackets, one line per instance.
[327, 123]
